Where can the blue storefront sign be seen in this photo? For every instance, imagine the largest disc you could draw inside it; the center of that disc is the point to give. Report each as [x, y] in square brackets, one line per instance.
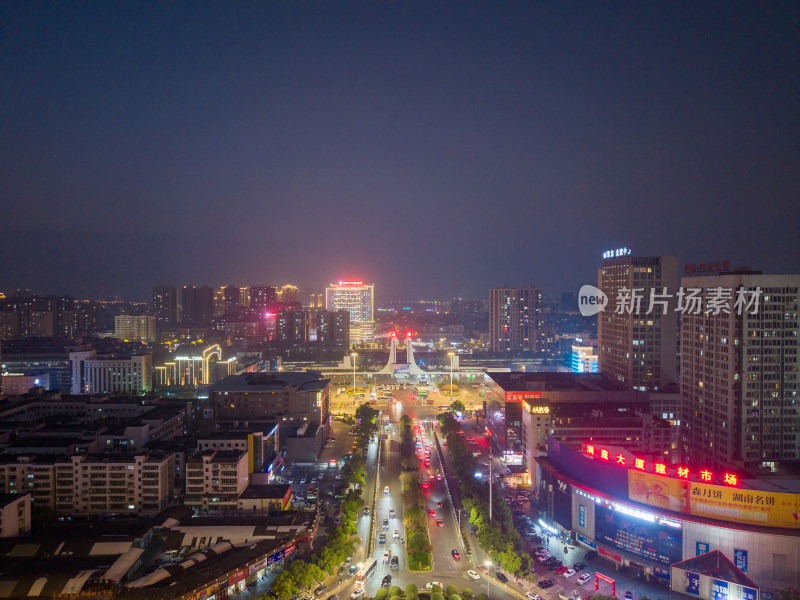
[276, 557]
[692, 583]
[702, 548]
[581, 515]
[749, 593]
[740, 559]
[719, 589]
[584, 540]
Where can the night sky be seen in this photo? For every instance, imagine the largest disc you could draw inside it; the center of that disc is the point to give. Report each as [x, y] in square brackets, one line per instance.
[436, 149]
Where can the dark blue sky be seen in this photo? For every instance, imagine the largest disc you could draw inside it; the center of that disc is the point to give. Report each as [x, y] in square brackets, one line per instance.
[433, 148]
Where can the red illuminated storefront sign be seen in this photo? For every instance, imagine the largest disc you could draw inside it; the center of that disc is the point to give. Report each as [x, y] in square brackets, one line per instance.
[520, 396]
[707, 267]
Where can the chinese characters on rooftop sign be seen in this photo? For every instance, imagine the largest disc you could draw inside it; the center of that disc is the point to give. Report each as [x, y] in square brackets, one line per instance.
[351, 283]
[709, 267]
[617, 253]
[700, 491]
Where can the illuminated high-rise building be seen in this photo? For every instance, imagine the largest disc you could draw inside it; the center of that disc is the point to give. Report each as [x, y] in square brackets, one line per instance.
[288, 293]
[634, 347]
[740, 372]
[514, 319]
[165, 305]
[136, 328]
[358, 299]
[262, 297]
[230, 299]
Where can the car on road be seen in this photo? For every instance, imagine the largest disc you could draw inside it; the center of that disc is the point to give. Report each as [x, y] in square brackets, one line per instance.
[386, 523]
[569, 573]
[386, 556]
[307, 598]
[395, 562]
[501, 577]
[579, 566]
[628, 595]
[532, 596]
[333, 597]
[430, 584]
[439, 476]
[357, 593]
[386, 581]
[396, 534]
[439, 505]
[456, 554]
[474, 575]
[439, 523]
[483, 569]
[545, 583]
[386, 490]
[352, 569]
[366, 510]
[392, 513]
[382, 538]
[431, 512]
[584, 578]
[320, 590]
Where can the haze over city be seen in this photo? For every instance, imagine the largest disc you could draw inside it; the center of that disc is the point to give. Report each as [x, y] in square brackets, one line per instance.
[435, 149]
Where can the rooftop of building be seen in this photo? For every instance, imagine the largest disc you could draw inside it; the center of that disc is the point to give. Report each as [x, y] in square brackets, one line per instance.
[716, 564]
[265, 492]
[6, 499]
[304, 381]
[217, 455]
[527, 381]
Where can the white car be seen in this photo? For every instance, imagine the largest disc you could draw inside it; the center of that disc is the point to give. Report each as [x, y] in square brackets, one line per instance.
[430, 584]
[569, 573]
[396, 534]
[474, 575]
[532, 596]
[543, 557]
[357, 593]
[584, 578]
[386, 490]
[386, 556]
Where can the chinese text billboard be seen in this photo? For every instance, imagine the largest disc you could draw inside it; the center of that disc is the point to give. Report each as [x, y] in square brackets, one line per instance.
[770, 509]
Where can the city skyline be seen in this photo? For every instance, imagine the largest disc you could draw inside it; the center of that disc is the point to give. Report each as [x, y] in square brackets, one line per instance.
[174, 143]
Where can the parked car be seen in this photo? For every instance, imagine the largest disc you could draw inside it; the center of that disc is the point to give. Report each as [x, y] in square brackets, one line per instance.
[561, 569]
[474, 575]
[579, 566]
[584, 578]
[386, 581]
[501, 577]
[568, 573]
[430, 584]
[628, 595]
[532, 596]
[320, 589]
[357, 594]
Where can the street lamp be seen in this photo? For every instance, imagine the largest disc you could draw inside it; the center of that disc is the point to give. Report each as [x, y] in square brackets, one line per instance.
[451, 354]
[353, 358]
[488, 566]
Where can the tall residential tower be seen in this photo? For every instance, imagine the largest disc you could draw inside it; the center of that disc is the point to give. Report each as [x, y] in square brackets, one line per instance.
[514, 319]
[637, 346]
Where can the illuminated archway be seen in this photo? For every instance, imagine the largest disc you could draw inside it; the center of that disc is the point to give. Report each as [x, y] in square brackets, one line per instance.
[598, 576]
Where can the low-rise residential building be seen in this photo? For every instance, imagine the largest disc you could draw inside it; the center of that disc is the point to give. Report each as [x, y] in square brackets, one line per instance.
[266, 497]
[15, 515]
[216, 478]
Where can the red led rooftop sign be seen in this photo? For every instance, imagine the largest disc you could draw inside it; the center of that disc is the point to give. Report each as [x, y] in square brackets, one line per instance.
[659, 468]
